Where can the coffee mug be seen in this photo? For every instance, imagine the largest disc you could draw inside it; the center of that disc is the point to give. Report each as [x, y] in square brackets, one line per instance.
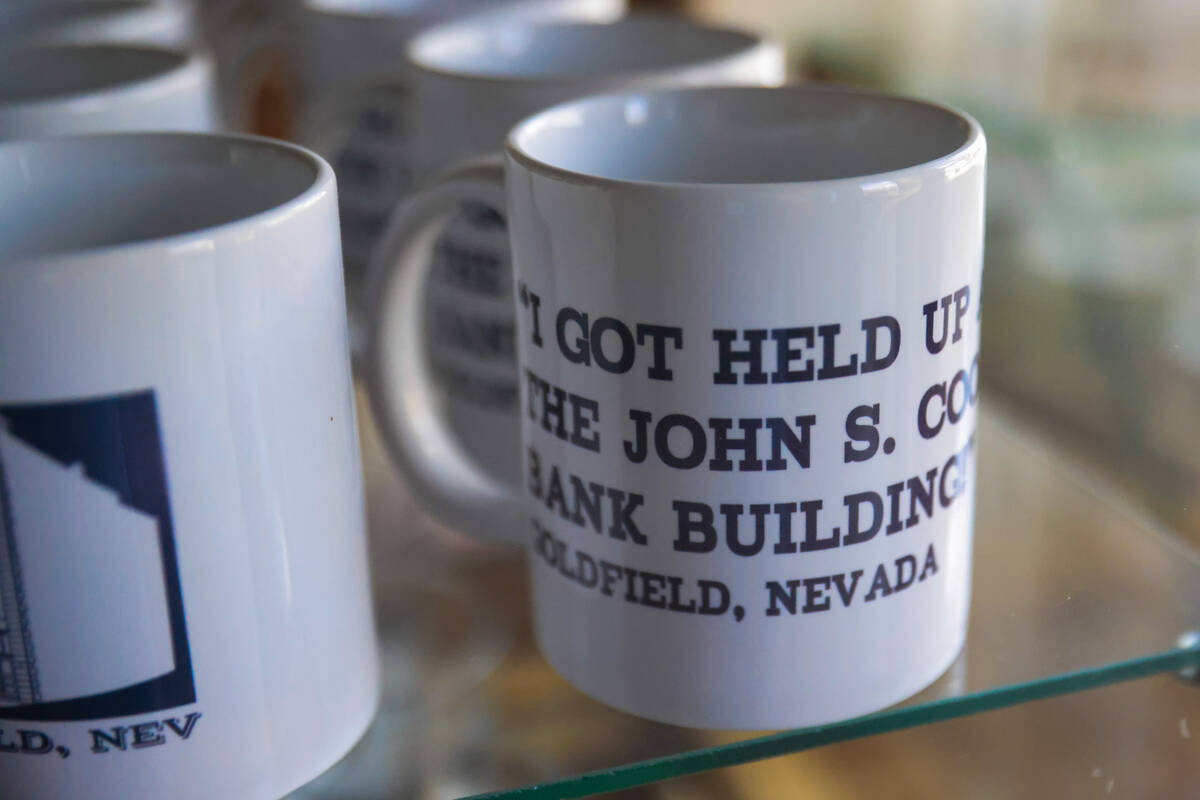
[170, 23]
[347, 46]
[48, 90]
[474, 81]
[184, 605]
[355, 99]
[308, 69]
[747, 335]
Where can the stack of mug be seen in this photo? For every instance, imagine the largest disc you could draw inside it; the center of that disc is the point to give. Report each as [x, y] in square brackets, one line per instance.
[705, 345]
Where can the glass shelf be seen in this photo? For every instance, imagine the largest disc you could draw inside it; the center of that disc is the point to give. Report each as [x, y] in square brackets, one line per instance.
[1072, 591]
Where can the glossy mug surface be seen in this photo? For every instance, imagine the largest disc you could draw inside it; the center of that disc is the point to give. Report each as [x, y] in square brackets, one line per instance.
[747, 335]
[183, 580]
[473, 82]
[52, 90]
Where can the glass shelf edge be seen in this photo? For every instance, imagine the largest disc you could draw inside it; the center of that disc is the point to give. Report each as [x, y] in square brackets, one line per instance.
[640, 773]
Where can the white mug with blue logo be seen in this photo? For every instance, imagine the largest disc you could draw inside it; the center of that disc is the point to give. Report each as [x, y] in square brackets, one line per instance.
[747, 329]
[184, 604]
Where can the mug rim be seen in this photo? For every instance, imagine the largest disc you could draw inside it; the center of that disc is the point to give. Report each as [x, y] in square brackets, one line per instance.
[154, 22]
[322, 9]
[741, 43]
[380, 11]
[186, 67]
[966, 152]
[322, 184]
[418, 11]
[94, 10]
[366, 9]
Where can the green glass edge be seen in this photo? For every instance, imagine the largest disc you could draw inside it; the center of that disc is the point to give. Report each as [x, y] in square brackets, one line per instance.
[653, 770]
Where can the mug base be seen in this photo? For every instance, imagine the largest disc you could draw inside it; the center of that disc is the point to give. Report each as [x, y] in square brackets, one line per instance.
[697, 716]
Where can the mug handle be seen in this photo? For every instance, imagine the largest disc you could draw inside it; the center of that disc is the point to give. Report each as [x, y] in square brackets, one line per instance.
[456, 489]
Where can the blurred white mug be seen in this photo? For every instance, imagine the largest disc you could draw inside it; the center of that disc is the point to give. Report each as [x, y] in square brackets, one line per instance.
[303, 69]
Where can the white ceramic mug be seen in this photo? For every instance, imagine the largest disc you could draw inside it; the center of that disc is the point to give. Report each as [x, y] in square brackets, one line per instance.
[473, 81]
[49, 90]
[747, 333]
[169, 23]
[183, 580]
[355, 99]
[321, 63]
[348, 46]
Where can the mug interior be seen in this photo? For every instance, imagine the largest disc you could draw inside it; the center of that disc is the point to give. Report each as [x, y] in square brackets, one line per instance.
[572, 50]
[24, 16]
[77, 193]
[740, 135]
[55, 72]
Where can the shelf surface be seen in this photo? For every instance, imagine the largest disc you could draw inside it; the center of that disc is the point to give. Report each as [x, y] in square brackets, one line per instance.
[1071, 591]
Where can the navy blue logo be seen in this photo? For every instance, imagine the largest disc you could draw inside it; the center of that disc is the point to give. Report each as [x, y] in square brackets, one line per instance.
[91, 612]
